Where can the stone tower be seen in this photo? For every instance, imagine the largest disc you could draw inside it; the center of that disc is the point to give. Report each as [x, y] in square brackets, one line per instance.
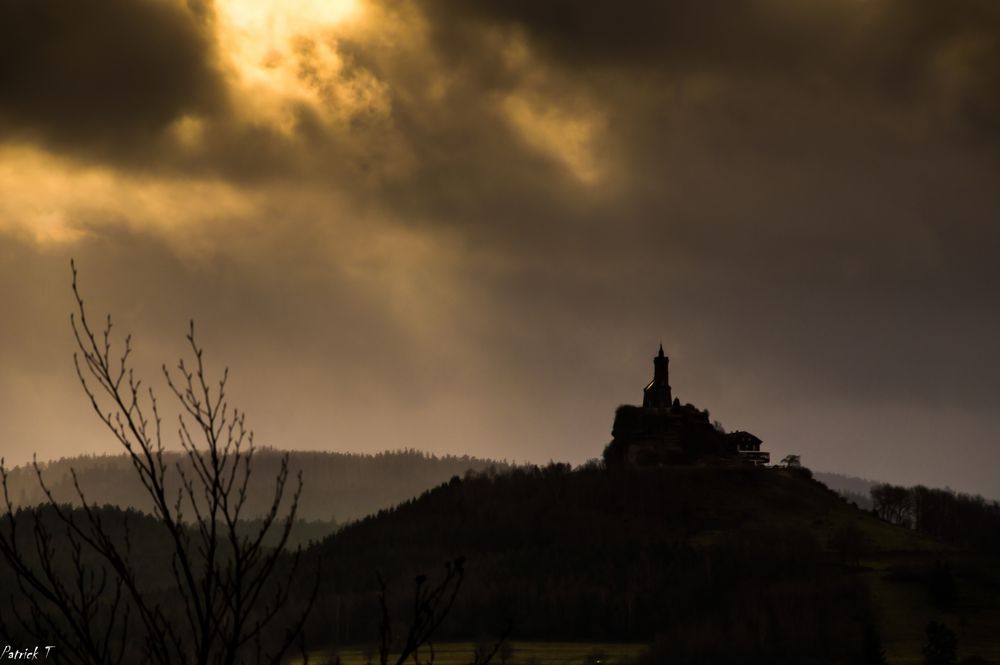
[656, 395]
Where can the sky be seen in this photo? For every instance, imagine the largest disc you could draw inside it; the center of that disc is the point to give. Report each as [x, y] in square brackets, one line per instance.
[464, 227]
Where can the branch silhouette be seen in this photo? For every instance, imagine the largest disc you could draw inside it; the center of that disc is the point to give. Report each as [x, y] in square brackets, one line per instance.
[230, 586]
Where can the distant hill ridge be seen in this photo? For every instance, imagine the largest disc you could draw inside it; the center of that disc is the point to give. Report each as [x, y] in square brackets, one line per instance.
[851, 488]
[336, 486]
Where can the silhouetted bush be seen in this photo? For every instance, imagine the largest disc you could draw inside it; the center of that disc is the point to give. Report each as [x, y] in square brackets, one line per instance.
[942, 645]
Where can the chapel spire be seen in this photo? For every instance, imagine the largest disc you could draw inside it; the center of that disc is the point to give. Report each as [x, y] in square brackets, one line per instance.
[656, 395]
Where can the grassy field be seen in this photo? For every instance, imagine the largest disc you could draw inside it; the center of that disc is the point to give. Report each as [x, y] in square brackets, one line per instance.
[523, 653]
[903, 610]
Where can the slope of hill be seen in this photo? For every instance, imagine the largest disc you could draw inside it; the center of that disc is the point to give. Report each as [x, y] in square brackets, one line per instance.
[737, 564]
[337, 487]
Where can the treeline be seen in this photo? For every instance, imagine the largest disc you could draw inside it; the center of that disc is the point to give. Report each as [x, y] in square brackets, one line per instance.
[337, 487]
[966, 521]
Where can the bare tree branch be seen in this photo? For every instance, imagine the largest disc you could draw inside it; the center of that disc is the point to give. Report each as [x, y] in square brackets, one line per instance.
[431, 605]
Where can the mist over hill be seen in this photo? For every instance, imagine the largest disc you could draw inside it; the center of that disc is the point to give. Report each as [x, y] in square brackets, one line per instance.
[337, 487]
[852, 488]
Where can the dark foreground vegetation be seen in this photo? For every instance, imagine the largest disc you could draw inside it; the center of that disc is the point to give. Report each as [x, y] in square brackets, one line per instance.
[709, 565]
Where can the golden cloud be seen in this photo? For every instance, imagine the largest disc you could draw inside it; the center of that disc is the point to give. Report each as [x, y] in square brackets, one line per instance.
[50, 199]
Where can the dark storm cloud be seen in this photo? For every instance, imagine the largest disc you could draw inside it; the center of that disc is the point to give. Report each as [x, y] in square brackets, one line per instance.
[643, 34]
[835, 174]
[892, 42]
[809, 202]
[103, 74]
[742, 73]
[799, 197]
[907, 69]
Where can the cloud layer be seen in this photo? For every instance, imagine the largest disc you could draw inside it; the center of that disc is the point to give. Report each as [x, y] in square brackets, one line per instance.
[465, 226]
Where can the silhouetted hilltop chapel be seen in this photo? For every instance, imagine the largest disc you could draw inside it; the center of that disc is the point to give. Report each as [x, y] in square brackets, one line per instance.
[663, 431]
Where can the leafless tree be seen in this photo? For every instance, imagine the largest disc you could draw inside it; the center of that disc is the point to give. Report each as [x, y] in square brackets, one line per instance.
[431, 605]
[231, 589]
[893, 503]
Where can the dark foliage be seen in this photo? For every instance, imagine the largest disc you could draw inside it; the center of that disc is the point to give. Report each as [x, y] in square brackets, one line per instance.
[893, 504]
[942, 645]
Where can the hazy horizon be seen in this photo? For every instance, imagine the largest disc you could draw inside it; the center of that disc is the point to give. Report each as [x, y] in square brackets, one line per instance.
[465, 227]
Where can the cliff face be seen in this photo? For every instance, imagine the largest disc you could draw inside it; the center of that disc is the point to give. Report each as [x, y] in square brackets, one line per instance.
[663, 436]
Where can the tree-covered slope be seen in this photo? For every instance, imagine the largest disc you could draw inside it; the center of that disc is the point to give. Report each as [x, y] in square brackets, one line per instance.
[767, 561]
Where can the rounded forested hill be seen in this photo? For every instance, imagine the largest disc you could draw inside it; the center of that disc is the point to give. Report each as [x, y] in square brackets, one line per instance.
[766, 563]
